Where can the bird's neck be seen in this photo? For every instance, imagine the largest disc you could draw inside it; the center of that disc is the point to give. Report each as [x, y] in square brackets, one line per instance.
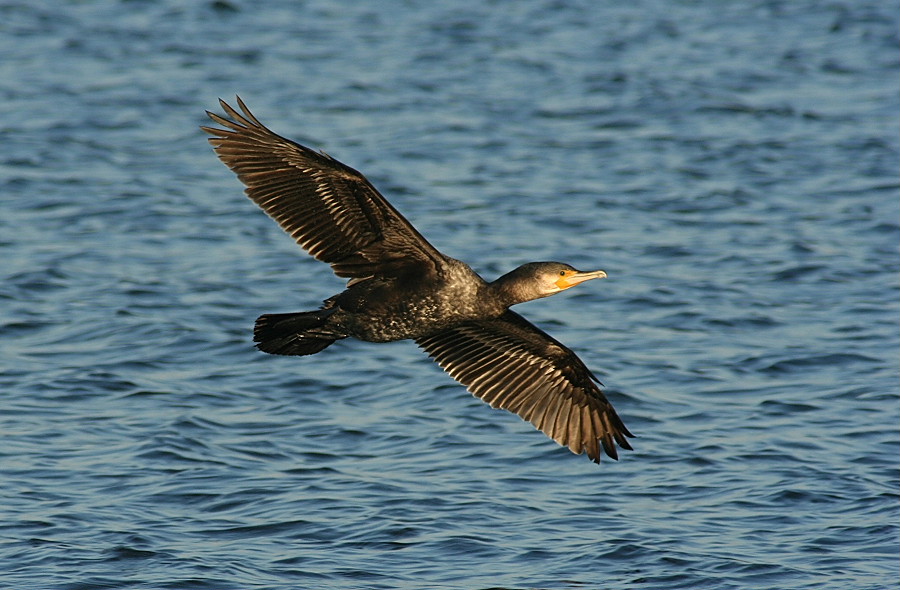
[510, 289]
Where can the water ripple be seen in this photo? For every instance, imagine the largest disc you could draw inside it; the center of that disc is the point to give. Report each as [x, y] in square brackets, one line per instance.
[734, 171]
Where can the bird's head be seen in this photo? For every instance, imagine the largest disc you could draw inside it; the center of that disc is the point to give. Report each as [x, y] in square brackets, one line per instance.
[542, 279]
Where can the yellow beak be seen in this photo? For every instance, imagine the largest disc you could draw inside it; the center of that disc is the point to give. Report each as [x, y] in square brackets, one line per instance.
[579, 277]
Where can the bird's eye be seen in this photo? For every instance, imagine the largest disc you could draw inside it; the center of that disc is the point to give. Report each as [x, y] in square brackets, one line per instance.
[562, 273]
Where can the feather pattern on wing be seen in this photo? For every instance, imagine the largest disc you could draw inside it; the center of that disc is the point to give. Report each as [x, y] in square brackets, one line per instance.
[330, 209]
[511, 364]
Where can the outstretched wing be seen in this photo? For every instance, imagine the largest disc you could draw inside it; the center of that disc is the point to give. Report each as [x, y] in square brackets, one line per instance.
[330, 209]
[511, 364]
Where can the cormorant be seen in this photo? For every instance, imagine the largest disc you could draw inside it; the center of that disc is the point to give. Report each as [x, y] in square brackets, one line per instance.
[401, 287]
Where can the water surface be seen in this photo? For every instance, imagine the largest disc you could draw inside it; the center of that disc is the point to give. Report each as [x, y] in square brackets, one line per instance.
[732, 166]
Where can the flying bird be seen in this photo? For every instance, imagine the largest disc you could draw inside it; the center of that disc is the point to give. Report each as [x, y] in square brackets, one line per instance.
[401, 287]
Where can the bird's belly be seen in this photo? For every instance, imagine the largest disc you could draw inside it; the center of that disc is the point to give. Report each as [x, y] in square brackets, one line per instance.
[413, 318]
[412, 321]
[383, 311]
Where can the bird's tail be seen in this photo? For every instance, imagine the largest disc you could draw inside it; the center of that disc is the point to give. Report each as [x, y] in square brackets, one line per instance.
[298, 334]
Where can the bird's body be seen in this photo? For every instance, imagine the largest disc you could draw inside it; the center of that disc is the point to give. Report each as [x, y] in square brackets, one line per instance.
[401, 287]
[370, 309]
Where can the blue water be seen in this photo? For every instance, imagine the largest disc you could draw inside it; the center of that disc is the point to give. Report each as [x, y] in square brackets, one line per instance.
[733, 166]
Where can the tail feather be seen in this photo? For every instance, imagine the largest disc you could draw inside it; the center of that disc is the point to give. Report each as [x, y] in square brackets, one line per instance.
[297, 334]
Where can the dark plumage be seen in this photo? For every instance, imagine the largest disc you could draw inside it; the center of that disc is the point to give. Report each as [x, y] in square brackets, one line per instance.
[401, 287]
